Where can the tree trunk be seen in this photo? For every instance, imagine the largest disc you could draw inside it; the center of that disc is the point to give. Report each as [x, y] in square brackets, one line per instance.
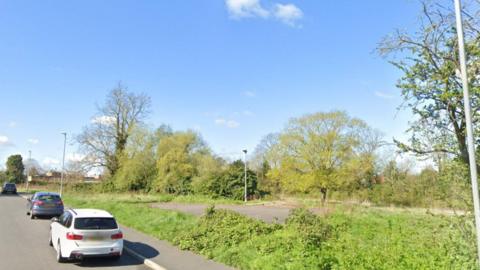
[324, 192]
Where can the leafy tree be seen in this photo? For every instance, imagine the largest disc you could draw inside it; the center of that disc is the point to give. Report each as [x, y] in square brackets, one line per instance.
[15, 169]
[323, 151]
[106, 137]
[179, 158]
[3, 176]
[430, 84]
[230, 182]
[138, 161]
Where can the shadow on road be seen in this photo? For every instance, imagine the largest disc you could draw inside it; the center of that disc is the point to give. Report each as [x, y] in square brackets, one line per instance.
[142, 249]
[9, 195]
[126, 260]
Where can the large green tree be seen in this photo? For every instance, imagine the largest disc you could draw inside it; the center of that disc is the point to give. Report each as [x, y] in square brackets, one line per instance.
[180, 157]
[138, 161]
[15, 169]
[430, 85]
[324, 151]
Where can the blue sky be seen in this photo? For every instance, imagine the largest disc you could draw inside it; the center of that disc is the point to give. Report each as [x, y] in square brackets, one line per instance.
[235, 70]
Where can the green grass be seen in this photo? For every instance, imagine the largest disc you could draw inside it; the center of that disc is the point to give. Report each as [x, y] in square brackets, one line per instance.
[133, 211]
[362, 239]
[350, 238]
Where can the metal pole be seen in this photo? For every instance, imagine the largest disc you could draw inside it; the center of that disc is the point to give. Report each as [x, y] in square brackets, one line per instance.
[63, 162]
[246, 190]
[468, 116]
[30, 166]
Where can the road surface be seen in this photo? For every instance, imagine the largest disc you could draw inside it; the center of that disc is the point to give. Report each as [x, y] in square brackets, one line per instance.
[24, 243]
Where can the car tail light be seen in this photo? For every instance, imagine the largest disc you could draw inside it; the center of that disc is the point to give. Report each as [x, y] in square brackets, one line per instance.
[72, 236]
[59, 203]
[37, 203]
[117, 236]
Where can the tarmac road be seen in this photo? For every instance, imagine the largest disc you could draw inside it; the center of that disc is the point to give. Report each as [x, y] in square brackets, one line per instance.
[24, 243]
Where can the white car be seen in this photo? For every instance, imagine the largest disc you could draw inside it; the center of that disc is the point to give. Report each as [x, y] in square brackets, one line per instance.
[83, 233]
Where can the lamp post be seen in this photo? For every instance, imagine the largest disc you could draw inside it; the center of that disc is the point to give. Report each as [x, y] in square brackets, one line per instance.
[468, 118]
[63, 162]
[29, 167]
[245, 162]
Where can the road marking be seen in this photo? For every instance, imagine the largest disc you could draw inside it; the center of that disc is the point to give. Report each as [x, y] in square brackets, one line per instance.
[153, 265]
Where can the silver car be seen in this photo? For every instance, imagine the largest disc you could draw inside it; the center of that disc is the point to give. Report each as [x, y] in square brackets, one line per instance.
[44, 204]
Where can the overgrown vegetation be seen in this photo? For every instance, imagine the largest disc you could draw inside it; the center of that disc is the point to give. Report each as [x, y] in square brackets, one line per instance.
[358, 240]
[349, 238]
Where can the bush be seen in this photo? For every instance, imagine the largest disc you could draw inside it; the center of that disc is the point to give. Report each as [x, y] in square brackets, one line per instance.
[312, 228]
[221, 229]
[229, 183]
[82, 187]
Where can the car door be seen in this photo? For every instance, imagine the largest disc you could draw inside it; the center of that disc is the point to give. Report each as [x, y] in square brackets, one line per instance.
[58, 228]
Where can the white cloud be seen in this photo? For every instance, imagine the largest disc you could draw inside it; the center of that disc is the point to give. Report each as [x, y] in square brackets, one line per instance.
[103, 120]
[288, 13]
[384, 95]
[33, 141]
[246, 8]
[50, 162]
[249, 94]
[5, 141]
[248, 113]
[74, 157]
[227, 123]
[220, 121]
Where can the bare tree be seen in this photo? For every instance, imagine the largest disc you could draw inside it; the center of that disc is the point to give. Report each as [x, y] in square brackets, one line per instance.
[106, 137]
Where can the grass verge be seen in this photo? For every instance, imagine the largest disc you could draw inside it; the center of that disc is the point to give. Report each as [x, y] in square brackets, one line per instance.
[353, 238]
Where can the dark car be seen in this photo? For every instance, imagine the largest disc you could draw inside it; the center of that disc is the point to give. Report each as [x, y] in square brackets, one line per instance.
[45, 204]
[9, 188]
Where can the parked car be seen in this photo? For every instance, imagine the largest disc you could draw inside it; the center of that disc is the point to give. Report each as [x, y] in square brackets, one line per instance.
[83, 233]
[9, 188]
[44, 204]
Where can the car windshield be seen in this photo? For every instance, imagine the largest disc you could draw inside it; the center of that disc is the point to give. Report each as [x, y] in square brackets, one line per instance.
[95, 224]
[10, 185]
[48, 198]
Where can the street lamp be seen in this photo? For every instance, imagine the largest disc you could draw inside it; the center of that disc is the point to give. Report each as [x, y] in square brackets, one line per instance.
[245, 162]
[63, 161]
[468, 116]
[29, 167]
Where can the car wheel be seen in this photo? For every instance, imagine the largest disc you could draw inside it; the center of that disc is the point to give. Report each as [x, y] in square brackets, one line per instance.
[32, 216]
[60, 257]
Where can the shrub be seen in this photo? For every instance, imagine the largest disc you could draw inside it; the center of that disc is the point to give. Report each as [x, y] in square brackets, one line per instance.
[221, 228]
[312, 228]
[229, 183]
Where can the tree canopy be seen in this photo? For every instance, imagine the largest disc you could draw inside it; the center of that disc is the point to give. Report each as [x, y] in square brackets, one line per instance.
[15, 169]
[430, 85]
[323, 151]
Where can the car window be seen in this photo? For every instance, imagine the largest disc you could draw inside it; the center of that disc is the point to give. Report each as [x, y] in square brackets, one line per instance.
[68, 221]
[64, 218]
[49, 198]
[61, 218]
[95, 224]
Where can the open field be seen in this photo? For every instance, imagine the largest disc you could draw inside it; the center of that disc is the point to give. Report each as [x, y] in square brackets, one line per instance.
[352, 237]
